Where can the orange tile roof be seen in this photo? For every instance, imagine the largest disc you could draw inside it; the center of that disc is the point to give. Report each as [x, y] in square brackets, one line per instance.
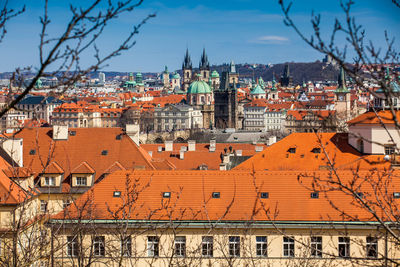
[191, 197]
[344, 156]
[193, 159]
[383, 116]
[86, 145]
[84, 167]
[10, 192]
[53, 168]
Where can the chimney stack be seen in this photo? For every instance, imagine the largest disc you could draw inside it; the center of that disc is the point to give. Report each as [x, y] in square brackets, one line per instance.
[168, 145]
[60, 132]
[192, 145]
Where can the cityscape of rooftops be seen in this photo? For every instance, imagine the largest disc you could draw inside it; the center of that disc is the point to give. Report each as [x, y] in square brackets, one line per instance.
[200, 133]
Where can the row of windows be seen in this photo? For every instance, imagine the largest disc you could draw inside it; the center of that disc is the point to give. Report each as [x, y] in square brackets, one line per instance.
[51, 181]
[234, 246]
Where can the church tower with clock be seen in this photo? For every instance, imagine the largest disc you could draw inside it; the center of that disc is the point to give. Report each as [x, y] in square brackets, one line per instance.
[342, 96]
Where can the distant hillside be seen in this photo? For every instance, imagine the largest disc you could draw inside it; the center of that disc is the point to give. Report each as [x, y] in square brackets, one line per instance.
[314, 71]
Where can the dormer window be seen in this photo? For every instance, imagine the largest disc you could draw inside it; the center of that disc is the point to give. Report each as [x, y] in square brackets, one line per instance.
[32, 152]
[396, 195]
[389, 149]
[49, 181]
[292, 150]
[104, 152]
[316, 150]
[81, 181]
[314, 195]
[117, 194]
[166, 194]
[264, 195]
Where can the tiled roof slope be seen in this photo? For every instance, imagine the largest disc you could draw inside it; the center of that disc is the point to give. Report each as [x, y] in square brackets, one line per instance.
[10, 192]
[383, 116]
[193, 159]
[299, 151]
[191, 197]
[87, 145]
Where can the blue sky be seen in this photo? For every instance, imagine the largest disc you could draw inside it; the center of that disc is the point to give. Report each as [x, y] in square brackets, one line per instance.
[246, 31]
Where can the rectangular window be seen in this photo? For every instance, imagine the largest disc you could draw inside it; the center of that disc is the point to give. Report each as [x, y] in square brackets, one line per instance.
[207, 246]
[372, 247]
[180, 246]
[81, 181]
[72, 246]
[152, 246]
[43, 205]
[126, 246]
[98, 246]
[66, 203]
[389, 149]
[316, 246]
[261, 246]
[49, 181]
[288, 246]
[234, 246]
[344, 246]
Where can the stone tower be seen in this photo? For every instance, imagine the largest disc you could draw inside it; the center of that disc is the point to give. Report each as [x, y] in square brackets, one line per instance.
[204, 66]
[187, 71]
[226, 104]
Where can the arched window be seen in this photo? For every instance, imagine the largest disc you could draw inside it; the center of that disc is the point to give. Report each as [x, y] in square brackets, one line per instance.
[202, 100]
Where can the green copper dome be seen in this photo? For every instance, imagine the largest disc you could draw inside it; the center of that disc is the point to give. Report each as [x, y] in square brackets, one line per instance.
[176, 76]
[257, 90]
[214, 74]
[199, 87]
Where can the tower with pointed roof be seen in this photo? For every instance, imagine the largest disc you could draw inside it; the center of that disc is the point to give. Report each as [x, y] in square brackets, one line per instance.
[187, 71]
[233, 74]
[342, 96]
[165, 77]
[286, 79]
[226, 104]
[204, 66]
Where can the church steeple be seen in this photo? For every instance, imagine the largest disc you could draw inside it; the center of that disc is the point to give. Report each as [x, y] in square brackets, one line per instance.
[342, 88]
[204, 64]
[187, 62]
[286, 79]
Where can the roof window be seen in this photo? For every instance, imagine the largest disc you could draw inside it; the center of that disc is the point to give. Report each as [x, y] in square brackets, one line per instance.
[216, 195]
[264, 195]
[32, 152]
[166, 194]
[117, 194]
[104, 152]
[118, 137]
[314, 195]
[316, 150]
[292, 150]
[72, 133]
[396, 195]
[360, 195]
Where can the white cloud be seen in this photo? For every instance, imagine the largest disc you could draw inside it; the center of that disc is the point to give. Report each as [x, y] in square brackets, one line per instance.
[270, 39]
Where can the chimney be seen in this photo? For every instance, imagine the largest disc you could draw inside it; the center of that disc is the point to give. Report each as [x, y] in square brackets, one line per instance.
[192, 145]
[60, 132]
[168, 145]
[181, 154]
[239, 153]
[222, 167]
[271, 140]
[151, 153]
[132, 131]
[159, 149]
[212, 145]
[183, 148]
[226, 158]
[14, 148]
[259, 148]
